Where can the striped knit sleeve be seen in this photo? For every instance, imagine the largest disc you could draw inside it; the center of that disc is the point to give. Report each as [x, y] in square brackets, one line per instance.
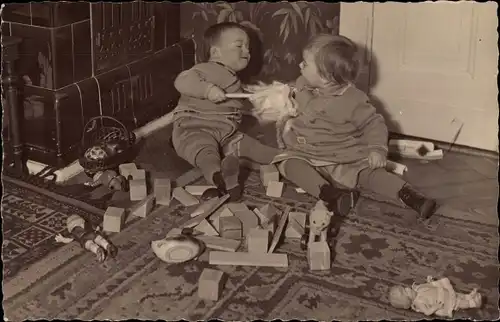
[192, 82]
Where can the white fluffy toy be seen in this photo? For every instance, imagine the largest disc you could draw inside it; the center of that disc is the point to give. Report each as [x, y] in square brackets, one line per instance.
[273, 103]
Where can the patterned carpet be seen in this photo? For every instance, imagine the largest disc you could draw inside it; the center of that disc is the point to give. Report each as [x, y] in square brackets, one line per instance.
[30, 220]
[377, 247]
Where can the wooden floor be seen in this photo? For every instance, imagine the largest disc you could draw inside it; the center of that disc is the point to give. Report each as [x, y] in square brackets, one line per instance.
[461, 182]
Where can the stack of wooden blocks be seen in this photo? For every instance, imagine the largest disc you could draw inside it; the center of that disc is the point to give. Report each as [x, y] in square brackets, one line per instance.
[237, 235]
[163, 191]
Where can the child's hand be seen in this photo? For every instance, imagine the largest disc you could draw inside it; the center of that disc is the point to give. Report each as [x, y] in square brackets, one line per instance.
[377, 160]
[216, 95]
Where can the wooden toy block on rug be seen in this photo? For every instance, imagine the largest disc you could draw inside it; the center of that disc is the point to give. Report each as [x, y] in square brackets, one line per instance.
[258, 240]
[196, 220]
[143, 207]
[247, 217]
[188, 177]
[279, 230]
[162, 188]
[248, 259]
[211, 284]
[138, 189]
[184, 197]
[205, 227]
[204, 207]
[269, 211]
[296, 224]
[197, 190]
[126, 169]
[138, 174]
[230, 227]
[275, 189]
[113, 219]
[218, 243]
[222, 212]
[319, 256]
[269, 172]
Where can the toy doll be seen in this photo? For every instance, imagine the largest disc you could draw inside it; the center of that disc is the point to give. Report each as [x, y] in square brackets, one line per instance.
[434, 297]
[88, 237]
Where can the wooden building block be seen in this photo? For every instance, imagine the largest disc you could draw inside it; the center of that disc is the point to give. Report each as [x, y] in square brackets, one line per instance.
[204, 207]
[184, 197]
[270, 226]
[196, 220]
[211, 284]
[138, 189]
[218, 243]
[197, 190]
[262, 218]
[113, 219]
[248, 259]
[138, 174]
[215, 218]
[258, 240]
[269, 172]
[188, 177]
[269, 211]
[296, 224]
[205, 227]
[230, 227]
[126, 169]
[247, 217]
[279, 230]
[274, 189]
[143, 207]
[162, 188]
[319, 256]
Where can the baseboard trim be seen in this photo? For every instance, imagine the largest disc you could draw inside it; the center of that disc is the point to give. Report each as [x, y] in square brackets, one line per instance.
[72, 170]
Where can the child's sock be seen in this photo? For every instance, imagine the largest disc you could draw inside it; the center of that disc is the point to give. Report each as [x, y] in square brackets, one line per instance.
[208, 161]
[252, 149]
[394, 187]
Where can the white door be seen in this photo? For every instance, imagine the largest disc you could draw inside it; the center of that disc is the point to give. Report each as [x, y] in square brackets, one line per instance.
[433, 68]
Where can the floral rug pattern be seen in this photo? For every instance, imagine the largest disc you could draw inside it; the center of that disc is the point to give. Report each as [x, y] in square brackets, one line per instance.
[376, 247]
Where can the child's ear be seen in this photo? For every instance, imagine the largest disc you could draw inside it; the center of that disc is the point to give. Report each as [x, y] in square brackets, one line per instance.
[214, 52]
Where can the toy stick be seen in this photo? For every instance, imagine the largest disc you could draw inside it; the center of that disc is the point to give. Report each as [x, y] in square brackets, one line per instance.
[238, 95]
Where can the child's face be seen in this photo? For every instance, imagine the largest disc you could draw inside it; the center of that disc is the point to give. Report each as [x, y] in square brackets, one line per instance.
[232, 49]
[309, 70]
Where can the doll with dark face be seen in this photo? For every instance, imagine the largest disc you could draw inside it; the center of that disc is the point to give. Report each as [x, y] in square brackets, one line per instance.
[88, 237]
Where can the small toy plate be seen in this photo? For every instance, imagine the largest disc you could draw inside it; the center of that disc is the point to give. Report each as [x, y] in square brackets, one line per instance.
[177, 249]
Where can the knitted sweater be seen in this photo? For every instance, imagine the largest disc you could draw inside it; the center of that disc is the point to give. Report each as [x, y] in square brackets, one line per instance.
[336, 125]
[195, 83]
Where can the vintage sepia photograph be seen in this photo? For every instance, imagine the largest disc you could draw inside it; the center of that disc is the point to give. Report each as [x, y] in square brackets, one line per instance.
[246, 161]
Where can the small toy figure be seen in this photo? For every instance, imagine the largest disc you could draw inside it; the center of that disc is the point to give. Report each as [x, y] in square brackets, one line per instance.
[88, 237]
[434, 297]
[319, 221]
[108, 178]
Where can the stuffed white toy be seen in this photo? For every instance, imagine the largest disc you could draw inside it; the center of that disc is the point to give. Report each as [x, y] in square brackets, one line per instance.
[273, 103]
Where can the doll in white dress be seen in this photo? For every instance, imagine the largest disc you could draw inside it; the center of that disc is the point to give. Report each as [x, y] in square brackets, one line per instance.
[434, 297]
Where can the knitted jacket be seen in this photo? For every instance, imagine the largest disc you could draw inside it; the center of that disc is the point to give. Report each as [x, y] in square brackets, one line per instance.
[194, 85]
[335, 124]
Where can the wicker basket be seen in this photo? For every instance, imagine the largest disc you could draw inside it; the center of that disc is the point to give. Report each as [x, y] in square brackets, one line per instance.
[106, 143]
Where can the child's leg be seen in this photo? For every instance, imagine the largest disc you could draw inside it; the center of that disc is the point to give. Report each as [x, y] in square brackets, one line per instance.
[251, 149]
[395, 188]
[305, 176]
